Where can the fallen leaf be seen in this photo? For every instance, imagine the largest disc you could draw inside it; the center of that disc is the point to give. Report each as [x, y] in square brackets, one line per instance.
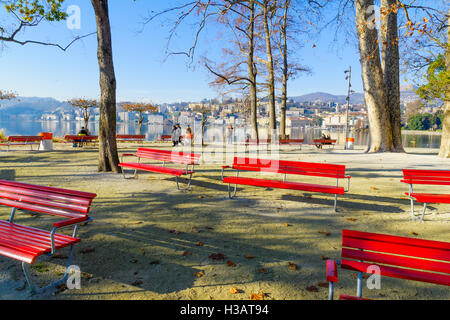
[174, 231]
[248, 256]
[187, 253]
[414, 233]
[199, 274]
[195, 230]
[136, 283]
[154, 262]
[138, 222]
[312, 289]
[234, 290]
[231, 263]
[373, 188]
[323, 284]
[292, 266]
[217, 256]
[287, 225]
[256, 296]
[58, 256]
[262, 270]
[351, 219]
[61, 287]
[199, 244]
[364, 276]
[87, 250]
[324, 232]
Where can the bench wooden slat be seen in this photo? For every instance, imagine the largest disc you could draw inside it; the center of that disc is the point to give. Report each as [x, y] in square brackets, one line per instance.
[284, 185]
[400, 273]
[14, 245]
[401, 261]
[157, 169]
[430, 198]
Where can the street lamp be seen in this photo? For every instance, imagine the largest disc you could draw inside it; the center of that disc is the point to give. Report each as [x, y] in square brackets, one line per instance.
[350, 92]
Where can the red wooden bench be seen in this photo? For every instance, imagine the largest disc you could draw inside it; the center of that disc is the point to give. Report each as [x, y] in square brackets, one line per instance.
[426, 177]
[257, 141]
[394, 256]
[130, 137]
[164, 156]
[26, 244]
[165, 138]
[292, 141]
[80, 139]
[287, 167]
[22, 141]
[319, 143]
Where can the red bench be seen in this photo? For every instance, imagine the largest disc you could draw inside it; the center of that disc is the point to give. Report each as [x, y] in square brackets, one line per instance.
[287, 167]
[80, 139]
[426, 177]
[319, 143]
[165, 138]
[257, 141]
[394, 256]
[130, 137]
[22, 141]
[164, 156]
[292, 141]
[26, 244]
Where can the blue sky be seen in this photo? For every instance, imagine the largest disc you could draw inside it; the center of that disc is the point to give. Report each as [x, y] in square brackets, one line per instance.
[142, 70]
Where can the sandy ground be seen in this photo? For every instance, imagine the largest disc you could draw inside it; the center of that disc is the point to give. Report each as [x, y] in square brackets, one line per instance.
[150, 241]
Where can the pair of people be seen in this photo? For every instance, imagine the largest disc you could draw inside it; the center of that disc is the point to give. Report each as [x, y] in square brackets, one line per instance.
[83, 132]
[176, 134]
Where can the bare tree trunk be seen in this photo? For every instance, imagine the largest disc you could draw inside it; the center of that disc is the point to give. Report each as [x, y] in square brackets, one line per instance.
[252, 72]
[391, 69]
[445, 141]
[140, 123]
[270, 70]
[86, 116]
[373, 80]
[108, 157]
[285, 71]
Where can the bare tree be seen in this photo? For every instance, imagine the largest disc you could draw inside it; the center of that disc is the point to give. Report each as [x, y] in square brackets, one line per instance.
[140, 108]
[84, 105]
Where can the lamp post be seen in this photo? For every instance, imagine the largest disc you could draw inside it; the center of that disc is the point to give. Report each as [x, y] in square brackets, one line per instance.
[349, 78]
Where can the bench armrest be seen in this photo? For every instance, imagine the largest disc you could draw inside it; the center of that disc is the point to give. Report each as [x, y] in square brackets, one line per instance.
[348, 183]
[70, 222]
[127, 155]
[223, 169]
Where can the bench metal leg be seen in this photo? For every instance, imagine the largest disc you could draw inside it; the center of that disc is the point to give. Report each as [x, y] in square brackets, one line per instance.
[423, 212]
[359, 285]
[133, 177]
[335, 203]
[32, 288]
[330, 290]
[234, 192]
[188, 185]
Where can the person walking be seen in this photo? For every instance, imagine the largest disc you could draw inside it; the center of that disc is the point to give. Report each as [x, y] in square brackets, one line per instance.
[175, 138]
[179, 136]
[189, 137]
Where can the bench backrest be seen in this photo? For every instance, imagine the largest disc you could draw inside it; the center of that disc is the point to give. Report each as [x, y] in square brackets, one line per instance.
[323, 141]
[131, 136]
[42, 199]
[24, 138]
[77, 137]
[399, 252]
[287, 141]
[168, 156]
[432, 177]
[290, 167]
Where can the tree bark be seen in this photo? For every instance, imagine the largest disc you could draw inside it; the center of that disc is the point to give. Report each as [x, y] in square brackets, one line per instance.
[373, 80]
[252, 73]
[444, 152]
[108, 157]
[270, 70]
[391, 70]
[285, 71]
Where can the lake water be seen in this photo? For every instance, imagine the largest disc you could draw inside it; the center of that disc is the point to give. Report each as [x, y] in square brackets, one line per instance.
[212, 132]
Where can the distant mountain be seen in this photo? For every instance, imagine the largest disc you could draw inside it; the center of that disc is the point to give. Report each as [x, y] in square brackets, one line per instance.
[31, 105]
[356, 98]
